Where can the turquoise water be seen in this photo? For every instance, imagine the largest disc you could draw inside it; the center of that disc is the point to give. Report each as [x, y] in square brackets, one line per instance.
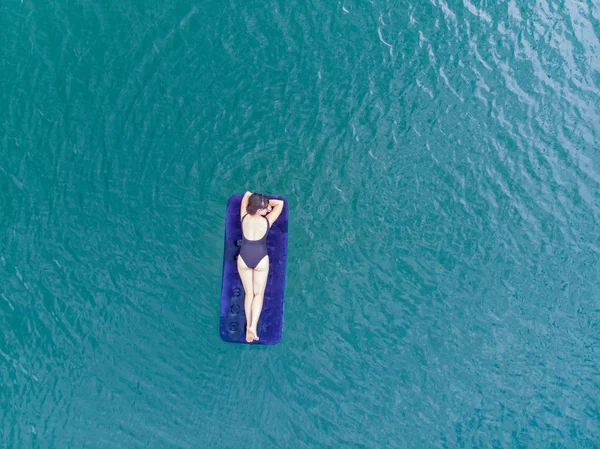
[441, 163]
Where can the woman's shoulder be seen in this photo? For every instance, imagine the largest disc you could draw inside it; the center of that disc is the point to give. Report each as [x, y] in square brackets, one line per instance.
[256, 220]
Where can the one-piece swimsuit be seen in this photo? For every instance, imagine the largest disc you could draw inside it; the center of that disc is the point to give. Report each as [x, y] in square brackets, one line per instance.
[253, 251]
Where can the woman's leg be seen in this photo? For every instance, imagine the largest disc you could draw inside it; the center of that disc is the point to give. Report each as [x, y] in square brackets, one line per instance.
[261, 273]
[248, 283]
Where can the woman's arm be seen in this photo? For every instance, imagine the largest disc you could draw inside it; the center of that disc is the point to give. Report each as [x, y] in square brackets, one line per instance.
[244, 205]
[273, 215]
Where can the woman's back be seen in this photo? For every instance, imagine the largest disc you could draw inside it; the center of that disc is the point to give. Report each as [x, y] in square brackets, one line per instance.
[254, 228]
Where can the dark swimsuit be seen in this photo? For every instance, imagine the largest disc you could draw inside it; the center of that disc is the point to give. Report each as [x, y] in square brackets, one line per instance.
[253, 251]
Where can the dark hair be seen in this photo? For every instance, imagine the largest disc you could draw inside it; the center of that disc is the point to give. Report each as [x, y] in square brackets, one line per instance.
[255, 202]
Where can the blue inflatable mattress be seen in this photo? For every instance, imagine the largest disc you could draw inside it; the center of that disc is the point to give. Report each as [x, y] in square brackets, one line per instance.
[233, 320]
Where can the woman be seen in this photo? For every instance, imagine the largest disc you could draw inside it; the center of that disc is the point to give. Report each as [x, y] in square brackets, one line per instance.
[258, 214]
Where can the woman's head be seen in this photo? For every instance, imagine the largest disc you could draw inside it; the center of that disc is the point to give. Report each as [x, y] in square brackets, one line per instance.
[258, 203]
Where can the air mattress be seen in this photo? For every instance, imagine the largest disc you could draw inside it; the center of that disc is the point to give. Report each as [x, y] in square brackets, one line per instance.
[233, 320]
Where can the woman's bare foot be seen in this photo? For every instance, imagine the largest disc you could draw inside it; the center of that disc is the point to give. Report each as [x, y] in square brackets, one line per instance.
[249, 336]
[252, 333]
